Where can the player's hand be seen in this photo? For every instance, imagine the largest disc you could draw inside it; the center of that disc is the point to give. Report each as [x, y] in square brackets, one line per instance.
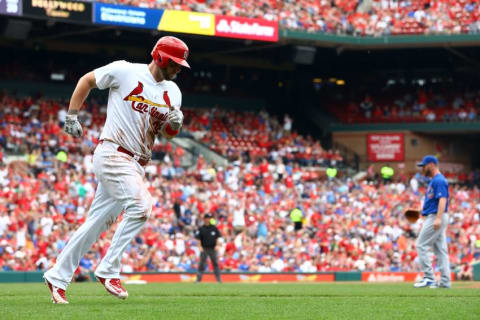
[175, 118]
[437, 223]
[72, 126]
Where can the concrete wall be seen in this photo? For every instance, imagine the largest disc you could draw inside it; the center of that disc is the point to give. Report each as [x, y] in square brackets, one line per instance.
[453, 153]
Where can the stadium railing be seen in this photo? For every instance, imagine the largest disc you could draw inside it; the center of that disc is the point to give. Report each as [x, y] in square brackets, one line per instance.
[326, 39]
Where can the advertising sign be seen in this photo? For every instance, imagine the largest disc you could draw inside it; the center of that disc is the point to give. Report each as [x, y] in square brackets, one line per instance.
[188, 22]
[396, 276]
[59, 9]
[245, 28]
[135, 17]
[228, 277]
[11, 7]
[385, 147]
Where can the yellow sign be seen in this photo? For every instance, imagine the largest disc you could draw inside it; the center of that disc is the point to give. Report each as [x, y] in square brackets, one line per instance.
[188, 22]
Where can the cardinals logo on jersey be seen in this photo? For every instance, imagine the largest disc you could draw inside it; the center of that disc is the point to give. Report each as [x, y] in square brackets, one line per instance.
[141, 104]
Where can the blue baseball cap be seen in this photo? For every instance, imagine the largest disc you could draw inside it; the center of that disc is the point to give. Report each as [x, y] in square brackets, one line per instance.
[428, 159]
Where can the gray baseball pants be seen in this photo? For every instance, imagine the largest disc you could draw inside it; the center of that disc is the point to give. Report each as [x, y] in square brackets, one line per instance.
[436, 239]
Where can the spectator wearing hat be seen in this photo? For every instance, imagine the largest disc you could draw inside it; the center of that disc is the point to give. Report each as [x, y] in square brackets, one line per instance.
[208, 235]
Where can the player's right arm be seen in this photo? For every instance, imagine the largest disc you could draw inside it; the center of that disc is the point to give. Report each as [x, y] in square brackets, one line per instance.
[104, 77]
[84, 85]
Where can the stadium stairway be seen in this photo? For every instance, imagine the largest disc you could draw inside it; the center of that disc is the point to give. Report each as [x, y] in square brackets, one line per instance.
[324, 121]
[187, 142]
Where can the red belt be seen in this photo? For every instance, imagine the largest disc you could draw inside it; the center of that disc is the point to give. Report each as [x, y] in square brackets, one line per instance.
[142, 162]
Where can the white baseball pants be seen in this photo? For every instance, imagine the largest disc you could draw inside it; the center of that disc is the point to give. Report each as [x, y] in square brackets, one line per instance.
[120, 187]
[437, 239]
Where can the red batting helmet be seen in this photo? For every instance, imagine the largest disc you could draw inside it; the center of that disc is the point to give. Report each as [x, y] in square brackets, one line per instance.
[170, 48]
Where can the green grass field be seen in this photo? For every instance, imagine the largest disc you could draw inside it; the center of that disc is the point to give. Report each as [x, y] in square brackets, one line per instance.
[244, 301]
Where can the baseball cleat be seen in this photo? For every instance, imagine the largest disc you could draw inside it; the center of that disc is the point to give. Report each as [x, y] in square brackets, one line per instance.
[58, 295]
[114, 286]
[424, 283]
[441, 286]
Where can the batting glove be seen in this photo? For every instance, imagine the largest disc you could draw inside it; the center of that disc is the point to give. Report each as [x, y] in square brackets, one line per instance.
[73, 126]
[175, 118]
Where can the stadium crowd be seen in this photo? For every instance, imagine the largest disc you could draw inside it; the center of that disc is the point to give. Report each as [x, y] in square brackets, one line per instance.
[356, 17]
[407, 104]
[257, 135]
[346, 225]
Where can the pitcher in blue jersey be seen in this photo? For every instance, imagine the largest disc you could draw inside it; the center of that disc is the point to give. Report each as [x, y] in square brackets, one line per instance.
[433, 233]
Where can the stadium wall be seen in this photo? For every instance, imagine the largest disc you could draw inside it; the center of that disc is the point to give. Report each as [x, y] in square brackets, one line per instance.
[476, 271]
[425, 127]
[271, 277]
[452, 152]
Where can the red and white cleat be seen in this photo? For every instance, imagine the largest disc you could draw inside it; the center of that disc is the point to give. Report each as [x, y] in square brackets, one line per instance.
[114, 286]
[58, 295]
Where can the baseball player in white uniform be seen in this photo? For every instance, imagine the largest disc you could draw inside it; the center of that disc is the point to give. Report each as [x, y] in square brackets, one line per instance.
[143, 103]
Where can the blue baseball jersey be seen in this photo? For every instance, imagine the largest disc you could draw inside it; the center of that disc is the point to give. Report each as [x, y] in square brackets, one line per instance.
[437, 188]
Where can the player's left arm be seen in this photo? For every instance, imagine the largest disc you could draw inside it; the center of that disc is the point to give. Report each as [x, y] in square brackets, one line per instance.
[442, 204]
[441, 193]
[173, 125]
[174, 122]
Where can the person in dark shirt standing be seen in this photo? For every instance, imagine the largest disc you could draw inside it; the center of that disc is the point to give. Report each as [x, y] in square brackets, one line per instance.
[208, 235]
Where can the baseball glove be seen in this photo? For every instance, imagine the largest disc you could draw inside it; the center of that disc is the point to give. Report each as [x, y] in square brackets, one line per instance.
[412, 215]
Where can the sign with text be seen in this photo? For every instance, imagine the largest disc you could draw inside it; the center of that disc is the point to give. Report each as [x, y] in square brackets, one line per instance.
[385, 147]
[59, 9]
[396, 276]
[188, 22]
[238, 277]
[11, 7]
[134, 17]
[246, 28]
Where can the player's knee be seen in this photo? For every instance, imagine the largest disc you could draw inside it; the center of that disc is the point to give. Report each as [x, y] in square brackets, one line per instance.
[420, 246]
[142, 208]
[147, 207]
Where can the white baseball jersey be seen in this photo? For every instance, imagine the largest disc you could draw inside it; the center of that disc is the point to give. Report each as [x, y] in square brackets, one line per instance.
[137, 105]
[137, 109]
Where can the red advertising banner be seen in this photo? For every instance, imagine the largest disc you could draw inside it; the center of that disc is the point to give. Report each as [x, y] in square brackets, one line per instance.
[395, 276]
[246, 28]
[228, 277]
[385, 147]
